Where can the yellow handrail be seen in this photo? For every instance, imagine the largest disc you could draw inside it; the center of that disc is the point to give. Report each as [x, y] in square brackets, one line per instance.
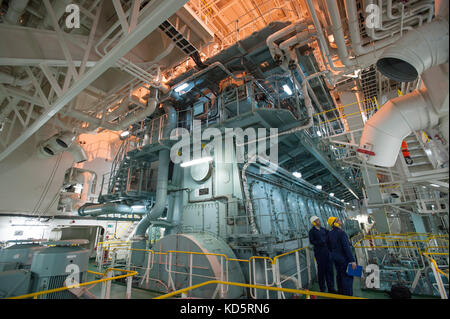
[39, 293]
[436, 266]
[272, 260]
[343, 106]
[108, 243]
[294, 291]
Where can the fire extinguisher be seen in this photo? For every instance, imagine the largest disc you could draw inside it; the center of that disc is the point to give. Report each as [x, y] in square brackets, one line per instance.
[406, 154]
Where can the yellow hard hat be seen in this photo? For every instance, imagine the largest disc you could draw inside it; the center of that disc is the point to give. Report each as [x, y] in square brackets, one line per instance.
[331, 221]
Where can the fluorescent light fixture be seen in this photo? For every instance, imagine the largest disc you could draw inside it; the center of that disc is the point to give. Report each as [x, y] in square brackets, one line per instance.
[287, 89]
[297, 174]
[319, 187]
[353, 206]
[124, 134]
[134, 207]
[332, 194]
[181, 87]
[342, 200]
[319, 133]
[197, 161]
[434, 185]
[346, 203]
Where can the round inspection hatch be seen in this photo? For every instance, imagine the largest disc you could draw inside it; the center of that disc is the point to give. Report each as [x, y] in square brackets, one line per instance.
[201, 172]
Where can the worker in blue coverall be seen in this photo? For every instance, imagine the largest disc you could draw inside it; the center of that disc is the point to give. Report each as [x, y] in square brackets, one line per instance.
[341, 254]
[318, 238]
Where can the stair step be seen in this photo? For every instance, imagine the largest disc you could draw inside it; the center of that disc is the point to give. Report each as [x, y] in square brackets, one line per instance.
[421, 160]
[420, 168]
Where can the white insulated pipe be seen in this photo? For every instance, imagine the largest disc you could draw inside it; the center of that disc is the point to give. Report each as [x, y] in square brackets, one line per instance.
[384, 132]
[270, 41]
[152, 103]
[298, 39]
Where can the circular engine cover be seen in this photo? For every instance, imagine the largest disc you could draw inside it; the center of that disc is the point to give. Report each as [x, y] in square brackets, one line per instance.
[201, 172]
[206, 266]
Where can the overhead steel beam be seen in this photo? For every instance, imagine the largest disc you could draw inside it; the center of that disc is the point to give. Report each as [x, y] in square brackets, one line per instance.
[28, 46]
[159, 11]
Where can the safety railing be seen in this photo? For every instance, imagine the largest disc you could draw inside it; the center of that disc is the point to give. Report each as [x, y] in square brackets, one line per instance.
[106, 288]
[406, 258]
[234, 101]
[365, 107]
[408, 251]
[191, 267]
[306, 293]
[109, 252]
[438, 274]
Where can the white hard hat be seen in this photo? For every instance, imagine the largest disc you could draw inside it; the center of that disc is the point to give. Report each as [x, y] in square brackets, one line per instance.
[313, 219]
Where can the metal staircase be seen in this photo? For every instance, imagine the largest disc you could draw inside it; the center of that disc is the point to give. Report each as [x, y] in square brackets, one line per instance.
[130, 178]
[421, 161]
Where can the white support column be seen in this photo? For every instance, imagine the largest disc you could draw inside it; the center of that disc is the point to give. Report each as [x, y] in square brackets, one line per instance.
[106, 287]
[278, 277]
[299, 271]
[129, 282]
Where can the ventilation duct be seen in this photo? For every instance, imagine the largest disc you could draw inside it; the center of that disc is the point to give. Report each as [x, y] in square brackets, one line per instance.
[384, 132]
[60, 143]
[78, 153]
[418, 50]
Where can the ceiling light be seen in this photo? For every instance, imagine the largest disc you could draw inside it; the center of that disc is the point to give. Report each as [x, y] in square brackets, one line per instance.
[331, 194]
[318, 133]
[297, 174]
[124, 135]
[287, 89]
[319, 187]
[342, 200]
[181, 87]
[434, 185]
[197, 161]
